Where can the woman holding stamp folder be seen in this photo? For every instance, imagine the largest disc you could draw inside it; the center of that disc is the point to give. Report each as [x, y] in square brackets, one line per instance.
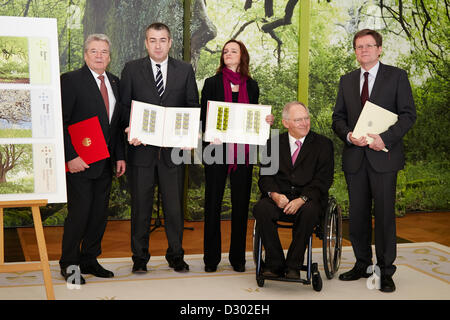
[231, 83]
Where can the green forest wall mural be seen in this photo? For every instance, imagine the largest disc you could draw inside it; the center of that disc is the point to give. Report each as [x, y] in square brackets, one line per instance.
[415, 38]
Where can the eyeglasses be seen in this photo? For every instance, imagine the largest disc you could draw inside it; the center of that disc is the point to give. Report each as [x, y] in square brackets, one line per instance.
[298, 120]
[366, 46]
[102, 52]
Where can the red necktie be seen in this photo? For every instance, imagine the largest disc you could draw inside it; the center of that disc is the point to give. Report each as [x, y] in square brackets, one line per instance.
[104, 93]
[295, 154]
[365, 89]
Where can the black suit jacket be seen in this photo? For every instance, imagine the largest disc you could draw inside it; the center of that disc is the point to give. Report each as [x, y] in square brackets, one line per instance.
[81, 99]
[390, 91]
[138, 83]
[311, 175]
[213, 90]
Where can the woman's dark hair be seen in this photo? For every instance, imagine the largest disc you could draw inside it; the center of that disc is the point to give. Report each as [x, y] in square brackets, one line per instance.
[243, 64]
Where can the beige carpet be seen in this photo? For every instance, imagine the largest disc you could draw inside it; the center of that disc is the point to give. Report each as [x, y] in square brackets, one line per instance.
[423, 273]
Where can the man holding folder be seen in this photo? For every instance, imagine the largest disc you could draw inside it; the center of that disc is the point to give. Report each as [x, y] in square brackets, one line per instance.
[370, 171]
[164, 81]
[89, 94]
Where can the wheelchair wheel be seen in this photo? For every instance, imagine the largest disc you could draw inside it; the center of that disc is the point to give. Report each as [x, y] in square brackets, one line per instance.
[332, 238]
[258, 256]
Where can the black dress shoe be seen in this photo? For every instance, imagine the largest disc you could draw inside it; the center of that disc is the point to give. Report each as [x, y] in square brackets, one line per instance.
[179, 265]
[239, 267]
[273, 273]
[210, 268]
[387, 284]
[354, 274]
[70, 277]
[293, 274]
[139, 268]
[97, 270]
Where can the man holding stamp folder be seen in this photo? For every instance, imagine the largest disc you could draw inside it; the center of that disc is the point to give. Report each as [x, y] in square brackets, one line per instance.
[371, 169]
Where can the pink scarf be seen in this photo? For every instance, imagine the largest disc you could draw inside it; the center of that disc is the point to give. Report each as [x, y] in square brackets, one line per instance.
[235, 78]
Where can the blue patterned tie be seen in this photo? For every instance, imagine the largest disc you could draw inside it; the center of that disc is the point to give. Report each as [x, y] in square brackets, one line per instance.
[159, 81]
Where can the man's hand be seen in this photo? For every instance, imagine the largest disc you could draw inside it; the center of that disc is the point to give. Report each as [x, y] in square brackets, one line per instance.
[120, 168]
[293, 206]
[361, 142]
[280, 199]
[377, 143]
[135, 142]
[77, 165]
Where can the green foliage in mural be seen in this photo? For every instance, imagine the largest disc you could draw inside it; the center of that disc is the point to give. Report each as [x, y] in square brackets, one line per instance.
[416, 38]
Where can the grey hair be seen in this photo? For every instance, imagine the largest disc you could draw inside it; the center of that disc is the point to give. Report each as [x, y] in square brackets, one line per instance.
[287, 107]
[96, 37]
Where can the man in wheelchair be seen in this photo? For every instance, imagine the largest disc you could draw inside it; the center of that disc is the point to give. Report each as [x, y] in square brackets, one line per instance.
[297, 192]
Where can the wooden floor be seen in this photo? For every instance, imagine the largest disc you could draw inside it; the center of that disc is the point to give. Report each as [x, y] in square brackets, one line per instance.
[413, 227]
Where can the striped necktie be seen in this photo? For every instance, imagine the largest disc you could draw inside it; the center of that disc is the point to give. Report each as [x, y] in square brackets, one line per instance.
[159, 81]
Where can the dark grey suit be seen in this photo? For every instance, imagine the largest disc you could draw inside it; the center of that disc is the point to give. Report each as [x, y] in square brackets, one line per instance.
[180, 91]
[373, 174]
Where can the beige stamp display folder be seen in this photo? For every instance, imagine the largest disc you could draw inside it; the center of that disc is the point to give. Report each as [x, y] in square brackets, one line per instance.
[237, 122]
[164, 126]
[373, 119]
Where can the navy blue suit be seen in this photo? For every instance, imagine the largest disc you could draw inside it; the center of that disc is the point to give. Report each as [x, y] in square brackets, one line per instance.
[372, 175]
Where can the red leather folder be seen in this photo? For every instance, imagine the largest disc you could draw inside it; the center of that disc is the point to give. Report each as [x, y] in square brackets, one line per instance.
[88, 140]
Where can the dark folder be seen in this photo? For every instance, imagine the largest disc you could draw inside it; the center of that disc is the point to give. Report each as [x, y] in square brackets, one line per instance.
[88, 140]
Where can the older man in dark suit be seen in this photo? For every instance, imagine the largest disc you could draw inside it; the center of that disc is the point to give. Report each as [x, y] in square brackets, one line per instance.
[161, 80]
[296, 192]
[88, 92]
[370, 172]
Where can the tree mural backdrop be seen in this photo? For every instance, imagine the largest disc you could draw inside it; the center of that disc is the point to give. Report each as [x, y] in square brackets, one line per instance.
[416, 38]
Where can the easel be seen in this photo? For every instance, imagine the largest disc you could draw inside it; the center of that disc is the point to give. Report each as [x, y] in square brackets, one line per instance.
[43, 264]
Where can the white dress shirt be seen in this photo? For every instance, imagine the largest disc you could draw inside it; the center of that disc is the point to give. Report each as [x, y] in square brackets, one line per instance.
[371, 79]
[163, 70]
[111, 97]
[292, 143]
[372, 75]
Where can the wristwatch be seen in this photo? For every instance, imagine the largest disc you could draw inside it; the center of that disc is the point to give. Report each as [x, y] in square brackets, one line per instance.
[304, 198]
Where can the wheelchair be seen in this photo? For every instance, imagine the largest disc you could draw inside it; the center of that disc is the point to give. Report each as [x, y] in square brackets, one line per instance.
[329, 231]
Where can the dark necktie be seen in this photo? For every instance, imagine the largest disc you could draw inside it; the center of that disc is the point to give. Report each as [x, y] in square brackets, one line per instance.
[295, 154]
[365, 89]
[159, 81]
[104, 93]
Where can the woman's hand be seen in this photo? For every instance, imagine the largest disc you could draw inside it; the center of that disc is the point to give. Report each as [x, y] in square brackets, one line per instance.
[270, 119]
